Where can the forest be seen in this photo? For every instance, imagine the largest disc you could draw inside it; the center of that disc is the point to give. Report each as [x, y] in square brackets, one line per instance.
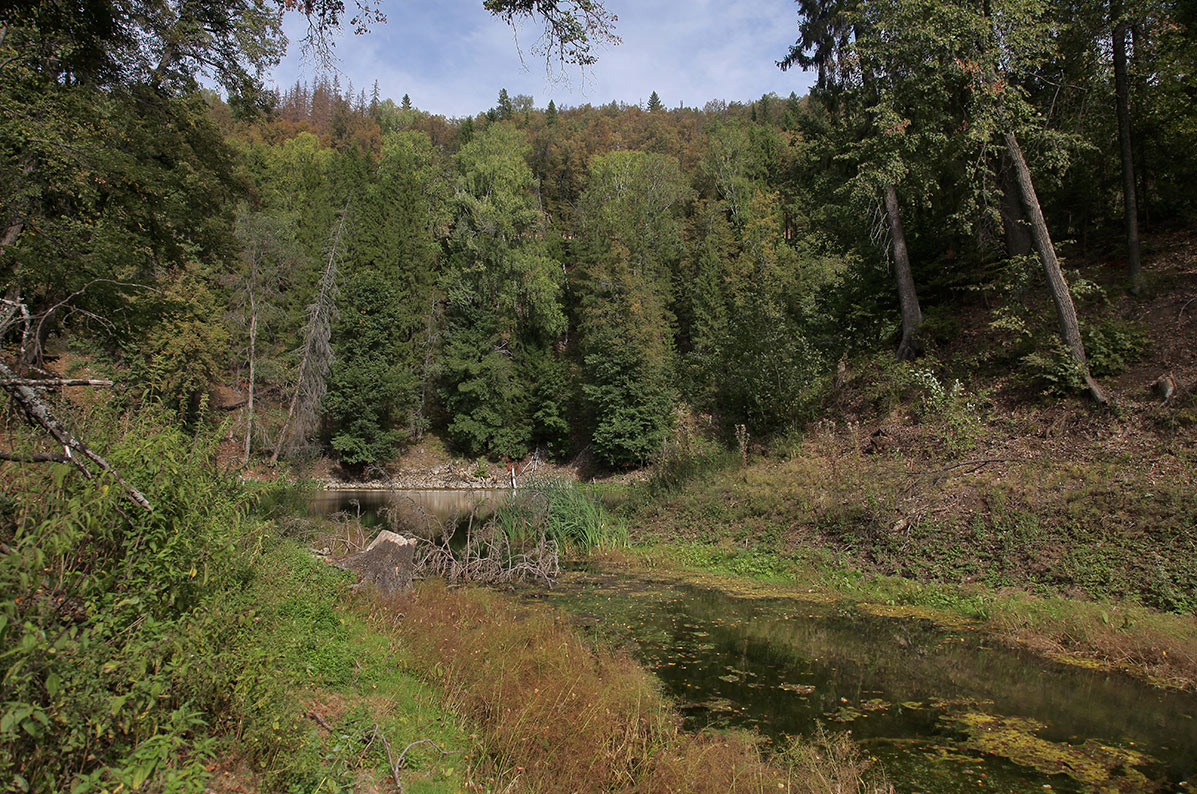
[361, 272]
[975, 231]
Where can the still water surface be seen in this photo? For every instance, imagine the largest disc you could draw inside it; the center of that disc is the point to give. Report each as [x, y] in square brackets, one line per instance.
[432, 504]
[903, 686]
[945, 709]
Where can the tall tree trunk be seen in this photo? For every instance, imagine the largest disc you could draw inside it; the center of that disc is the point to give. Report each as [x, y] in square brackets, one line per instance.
[1014, 227]
[912, 317]
[1143, 172]
[253, 340]
[1134, 268]
[1070, 329]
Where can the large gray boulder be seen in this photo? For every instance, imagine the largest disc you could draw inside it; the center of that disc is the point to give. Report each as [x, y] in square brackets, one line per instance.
[387, 562]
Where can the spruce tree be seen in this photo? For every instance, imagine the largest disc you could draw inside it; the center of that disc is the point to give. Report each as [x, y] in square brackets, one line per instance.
[376, 391]
[654, 102]
[502, 303]
[505, 107]
[631, 244]
[550, 114]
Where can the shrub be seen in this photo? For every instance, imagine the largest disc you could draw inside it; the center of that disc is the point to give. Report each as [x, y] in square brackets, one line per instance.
[98, 601]
[1112, 345]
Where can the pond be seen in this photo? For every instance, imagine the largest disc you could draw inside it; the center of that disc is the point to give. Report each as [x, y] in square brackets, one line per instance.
[945, 708]
[422, 508]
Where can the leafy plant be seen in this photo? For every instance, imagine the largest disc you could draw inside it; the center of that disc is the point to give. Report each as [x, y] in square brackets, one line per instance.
[1113, 344]
[99, 607]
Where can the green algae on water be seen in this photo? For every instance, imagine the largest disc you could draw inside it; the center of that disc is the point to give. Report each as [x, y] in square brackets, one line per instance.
[1107, 770]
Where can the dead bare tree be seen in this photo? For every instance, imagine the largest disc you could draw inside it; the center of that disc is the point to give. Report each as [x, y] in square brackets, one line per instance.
[24, 393]
[316, 350]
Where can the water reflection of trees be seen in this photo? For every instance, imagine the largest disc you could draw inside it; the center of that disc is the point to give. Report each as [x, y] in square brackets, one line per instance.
[854, 656]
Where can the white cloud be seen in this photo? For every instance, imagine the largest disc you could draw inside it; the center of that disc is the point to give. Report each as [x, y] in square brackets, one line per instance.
[452, 57]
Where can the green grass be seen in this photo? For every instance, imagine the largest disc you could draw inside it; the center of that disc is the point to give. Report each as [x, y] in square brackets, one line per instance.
[566, 513]
[309, 651]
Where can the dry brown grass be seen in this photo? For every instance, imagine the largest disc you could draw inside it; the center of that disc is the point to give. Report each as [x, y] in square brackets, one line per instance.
[558, 715]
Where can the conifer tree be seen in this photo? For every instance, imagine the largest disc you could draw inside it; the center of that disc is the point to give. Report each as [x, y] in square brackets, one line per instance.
[505, 108]
[631, 244]
[550, 114]
[406, 102]
[375, 393]
[502, 301]
[654, 102]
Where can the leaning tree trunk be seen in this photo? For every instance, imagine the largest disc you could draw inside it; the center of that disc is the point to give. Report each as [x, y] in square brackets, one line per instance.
[912, 316]
[1014, 228]
[1070, 329]
[1134, 268]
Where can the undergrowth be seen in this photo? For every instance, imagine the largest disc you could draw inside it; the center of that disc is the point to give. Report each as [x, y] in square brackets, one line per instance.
[143, 650]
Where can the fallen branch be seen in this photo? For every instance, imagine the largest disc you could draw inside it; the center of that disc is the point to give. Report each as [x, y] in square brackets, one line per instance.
[443, 751]
[313, 714]
[38, 414]
[55, 383]
[396, 764]
[978, 463]
[390, 758]
[936, 474]
[1180, 314]
[33, 457]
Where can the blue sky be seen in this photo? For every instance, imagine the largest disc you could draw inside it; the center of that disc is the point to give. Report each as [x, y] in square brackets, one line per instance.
[452, 57]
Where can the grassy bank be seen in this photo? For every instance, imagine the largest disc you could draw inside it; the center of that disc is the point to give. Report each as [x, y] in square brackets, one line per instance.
[557, 714]
[1086, 555]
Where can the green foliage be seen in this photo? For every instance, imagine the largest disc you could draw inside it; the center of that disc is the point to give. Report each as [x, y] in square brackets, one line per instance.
[1053, 370]
[183, 352]
[100, 612]
[578, 520]
[1112, 345]
[370, 390]
[632, 241]
[502, 294]
[687, 460]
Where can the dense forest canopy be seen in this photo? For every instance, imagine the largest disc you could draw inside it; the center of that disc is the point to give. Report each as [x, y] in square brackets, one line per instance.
[361, 272]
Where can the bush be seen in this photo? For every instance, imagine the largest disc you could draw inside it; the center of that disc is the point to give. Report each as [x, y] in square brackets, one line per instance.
[1112, 345]
[98, 608]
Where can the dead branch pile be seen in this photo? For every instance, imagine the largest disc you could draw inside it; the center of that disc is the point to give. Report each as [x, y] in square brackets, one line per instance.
[481, 551]
[488, 557]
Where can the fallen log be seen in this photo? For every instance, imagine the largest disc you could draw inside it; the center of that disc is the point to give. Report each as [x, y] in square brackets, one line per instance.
[54, 383]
